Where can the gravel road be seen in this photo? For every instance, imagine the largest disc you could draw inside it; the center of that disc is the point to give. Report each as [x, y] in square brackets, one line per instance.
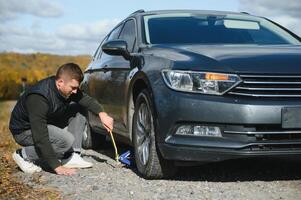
[241, 179]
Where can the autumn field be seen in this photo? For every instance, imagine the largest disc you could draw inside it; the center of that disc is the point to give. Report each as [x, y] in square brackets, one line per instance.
[33, 67]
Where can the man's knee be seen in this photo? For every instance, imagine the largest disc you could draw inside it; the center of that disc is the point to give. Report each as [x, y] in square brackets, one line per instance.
[67, 140]
[77, 124]
[80, 118]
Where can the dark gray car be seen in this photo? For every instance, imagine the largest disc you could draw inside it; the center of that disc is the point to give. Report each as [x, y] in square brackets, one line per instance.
[198, 86]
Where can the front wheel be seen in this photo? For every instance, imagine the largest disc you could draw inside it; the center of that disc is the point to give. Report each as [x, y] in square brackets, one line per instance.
[148, 159]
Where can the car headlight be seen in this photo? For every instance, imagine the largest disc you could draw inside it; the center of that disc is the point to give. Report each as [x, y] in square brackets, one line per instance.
[200, 82]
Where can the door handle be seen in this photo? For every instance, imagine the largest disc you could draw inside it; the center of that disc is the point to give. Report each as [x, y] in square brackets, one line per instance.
[105, 68]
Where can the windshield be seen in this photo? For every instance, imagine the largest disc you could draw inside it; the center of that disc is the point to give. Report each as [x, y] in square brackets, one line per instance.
[185, 28]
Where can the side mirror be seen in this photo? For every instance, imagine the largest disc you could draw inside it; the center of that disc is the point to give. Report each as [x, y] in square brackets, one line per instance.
[116, 48]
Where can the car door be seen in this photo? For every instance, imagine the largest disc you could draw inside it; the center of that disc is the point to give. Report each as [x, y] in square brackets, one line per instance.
[106, 80]
[117, 70]
[86, 85]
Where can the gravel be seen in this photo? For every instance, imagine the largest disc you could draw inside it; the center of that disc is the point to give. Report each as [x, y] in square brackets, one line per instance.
[239, 179]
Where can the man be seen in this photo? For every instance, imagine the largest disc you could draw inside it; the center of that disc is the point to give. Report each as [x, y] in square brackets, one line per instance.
[49, 123]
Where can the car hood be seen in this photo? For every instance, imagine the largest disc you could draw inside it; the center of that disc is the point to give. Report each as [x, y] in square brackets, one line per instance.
[270, 59]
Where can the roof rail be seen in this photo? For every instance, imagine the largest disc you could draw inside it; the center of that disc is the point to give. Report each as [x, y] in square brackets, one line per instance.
[245, 13]
[138, 11]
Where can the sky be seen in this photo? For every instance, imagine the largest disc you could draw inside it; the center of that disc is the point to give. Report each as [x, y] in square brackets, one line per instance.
[74, 27]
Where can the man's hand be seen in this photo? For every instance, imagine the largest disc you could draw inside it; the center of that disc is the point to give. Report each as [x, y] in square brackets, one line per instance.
[106, 120]
[64, 171]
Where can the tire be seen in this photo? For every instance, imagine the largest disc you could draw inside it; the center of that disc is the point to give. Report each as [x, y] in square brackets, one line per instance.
[149, 161]
[91, 139]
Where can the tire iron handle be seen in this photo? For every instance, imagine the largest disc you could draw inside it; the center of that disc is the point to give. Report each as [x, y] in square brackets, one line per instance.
[115, 147]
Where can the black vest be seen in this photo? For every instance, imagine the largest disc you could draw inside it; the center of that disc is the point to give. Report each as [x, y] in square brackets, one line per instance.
[19, 120]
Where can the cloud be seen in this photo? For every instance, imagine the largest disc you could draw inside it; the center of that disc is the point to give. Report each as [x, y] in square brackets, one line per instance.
[273, 8]
[22, 39]
[12, 9]
[286, 13]
[88, 31]
[73, 39]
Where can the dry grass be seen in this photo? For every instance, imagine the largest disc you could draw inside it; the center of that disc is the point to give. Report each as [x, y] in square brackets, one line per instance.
[10, 186]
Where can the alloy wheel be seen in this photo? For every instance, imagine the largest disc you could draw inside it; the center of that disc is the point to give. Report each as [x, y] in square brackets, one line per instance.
[144, 129]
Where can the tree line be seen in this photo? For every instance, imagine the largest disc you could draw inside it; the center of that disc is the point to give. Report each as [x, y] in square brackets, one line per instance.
[17, 69]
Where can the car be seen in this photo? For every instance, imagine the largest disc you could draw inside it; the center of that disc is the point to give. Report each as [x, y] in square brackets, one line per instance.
[198, 86]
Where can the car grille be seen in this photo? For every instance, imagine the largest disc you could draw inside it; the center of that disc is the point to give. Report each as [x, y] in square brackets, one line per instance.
[268, 86]
[266, 140]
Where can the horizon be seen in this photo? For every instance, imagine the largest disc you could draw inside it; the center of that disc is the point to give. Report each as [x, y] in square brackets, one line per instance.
[42, 53]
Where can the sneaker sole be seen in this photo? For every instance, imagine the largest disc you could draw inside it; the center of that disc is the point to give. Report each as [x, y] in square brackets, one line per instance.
[20, 164]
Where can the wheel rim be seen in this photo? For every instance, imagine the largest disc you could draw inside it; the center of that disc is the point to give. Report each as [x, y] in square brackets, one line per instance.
[143, 131]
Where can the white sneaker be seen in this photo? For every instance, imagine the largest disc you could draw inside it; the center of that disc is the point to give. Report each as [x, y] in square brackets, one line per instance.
[77, 162]
[24, 165]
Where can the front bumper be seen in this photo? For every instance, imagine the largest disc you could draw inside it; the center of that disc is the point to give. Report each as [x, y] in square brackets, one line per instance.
[250, 127]
[188, 149]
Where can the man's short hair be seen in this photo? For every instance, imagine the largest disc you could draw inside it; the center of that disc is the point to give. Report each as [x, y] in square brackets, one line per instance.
[72, 70]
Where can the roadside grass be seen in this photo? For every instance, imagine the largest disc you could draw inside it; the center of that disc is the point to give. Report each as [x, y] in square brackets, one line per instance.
[10, 186]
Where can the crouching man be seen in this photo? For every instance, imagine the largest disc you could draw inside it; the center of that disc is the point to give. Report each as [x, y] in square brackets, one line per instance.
[48, 122]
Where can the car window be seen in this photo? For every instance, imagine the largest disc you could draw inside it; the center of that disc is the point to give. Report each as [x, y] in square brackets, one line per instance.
[96, 52]
[128, 34]
[113, 36]
[115, 33]
[211, 29]
[99, 50]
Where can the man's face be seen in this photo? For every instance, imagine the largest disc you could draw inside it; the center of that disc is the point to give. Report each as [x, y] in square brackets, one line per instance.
[67, 86]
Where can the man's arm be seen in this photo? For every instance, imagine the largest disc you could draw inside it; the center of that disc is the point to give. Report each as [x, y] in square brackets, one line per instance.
[37, 107]
[88, 102]
[95, 107]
